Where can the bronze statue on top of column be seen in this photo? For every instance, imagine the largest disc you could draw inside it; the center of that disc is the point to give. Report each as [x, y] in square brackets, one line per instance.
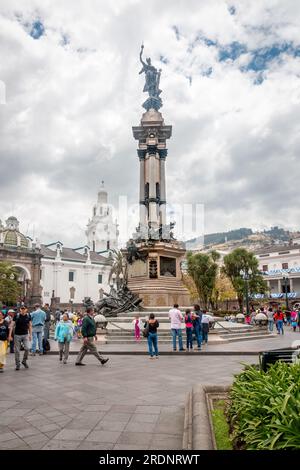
[152, 79]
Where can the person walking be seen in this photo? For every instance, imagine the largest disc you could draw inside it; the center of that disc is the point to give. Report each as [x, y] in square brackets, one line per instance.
[22, 328]
[205, 327]
[279, 317]
[176, 320]
[4, 339]
[89, 331]
[38, 318]
[189, 329]
[151, 326]
[64, 334]
[9, 318]
[270, 316]
[197, 318]
[46, 326]
[138, 324]
[294, 318]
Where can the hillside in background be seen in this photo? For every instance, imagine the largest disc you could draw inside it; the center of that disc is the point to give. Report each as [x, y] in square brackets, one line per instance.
[242, 237]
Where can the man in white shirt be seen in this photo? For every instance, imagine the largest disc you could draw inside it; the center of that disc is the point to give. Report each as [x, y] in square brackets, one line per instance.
[176, 319]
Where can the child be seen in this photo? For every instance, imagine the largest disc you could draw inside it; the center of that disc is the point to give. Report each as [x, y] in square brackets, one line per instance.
[64, 334]
[138, 325]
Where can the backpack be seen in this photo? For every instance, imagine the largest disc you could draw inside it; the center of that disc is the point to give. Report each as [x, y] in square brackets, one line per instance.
[146, 331]
[46, 345]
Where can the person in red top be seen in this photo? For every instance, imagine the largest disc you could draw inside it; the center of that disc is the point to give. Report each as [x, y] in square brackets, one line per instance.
[279, 317]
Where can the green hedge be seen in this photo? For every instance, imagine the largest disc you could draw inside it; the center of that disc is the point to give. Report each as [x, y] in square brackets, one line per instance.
[264, 410]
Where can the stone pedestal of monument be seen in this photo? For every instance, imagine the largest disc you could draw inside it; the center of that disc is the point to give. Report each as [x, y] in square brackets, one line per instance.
[158, 279]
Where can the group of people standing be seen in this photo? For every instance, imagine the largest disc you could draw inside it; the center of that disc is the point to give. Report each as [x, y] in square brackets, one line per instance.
[19, 329]
[289, 318]
[23, 330]
[196, 323]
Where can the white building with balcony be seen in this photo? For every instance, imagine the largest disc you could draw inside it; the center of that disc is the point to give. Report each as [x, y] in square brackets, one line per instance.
[280, 265]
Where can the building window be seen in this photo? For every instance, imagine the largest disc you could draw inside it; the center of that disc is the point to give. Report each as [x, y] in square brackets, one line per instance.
[71, 276]
[72, 293]
[94, 246]
[108, 245]
[94, 211]
[101, 292]
[265, 268]
[99, 278]
[285, 265]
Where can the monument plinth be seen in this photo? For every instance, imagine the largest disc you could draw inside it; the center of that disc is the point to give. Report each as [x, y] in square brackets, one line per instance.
[153, 255]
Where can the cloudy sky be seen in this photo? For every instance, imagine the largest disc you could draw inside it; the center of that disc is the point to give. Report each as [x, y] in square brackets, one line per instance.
[231, 90]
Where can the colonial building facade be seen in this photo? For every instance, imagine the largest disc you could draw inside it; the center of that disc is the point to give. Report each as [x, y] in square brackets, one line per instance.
[25, 256]
[59, 275]
[69, 276]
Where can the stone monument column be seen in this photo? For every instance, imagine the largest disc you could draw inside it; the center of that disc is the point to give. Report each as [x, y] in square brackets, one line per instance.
[152, 135]
[142, 188]
[162, 178]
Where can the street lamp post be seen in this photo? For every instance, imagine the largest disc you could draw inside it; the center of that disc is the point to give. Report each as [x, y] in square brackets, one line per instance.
[246, 274]
[121, 277]
[285, 278]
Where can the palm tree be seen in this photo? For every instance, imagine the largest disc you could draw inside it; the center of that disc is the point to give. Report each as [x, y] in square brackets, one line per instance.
[118, 268]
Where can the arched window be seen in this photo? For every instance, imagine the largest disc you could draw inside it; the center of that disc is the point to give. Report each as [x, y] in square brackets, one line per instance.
[72, 293]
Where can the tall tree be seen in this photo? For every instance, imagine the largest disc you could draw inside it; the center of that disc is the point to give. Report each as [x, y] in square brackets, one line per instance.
[203, 269]
[242, 259]
[10, 289]
[223, 290]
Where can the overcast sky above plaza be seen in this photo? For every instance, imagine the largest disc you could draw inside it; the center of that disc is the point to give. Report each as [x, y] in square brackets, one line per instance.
[231, 90]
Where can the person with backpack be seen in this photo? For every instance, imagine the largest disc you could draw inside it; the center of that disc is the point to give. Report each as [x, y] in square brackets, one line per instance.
[46, 344]
[151, 334]
[22, 327]
[64, 334]
[189, 329]
[89, 332]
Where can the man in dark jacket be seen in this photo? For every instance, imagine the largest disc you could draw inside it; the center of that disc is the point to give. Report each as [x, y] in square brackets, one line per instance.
[89, 331]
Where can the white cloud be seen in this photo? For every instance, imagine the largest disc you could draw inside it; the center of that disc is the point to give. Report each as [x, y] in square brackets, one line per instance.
[70, 108]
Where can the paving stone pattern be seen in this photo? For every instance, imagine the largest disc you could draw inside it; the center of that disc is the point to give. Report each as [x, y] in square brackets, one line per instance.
[130, 403]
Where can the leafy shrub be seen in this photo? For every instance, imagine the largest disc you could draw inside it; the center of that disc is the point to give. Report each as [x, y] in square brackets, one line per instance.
[264, 410]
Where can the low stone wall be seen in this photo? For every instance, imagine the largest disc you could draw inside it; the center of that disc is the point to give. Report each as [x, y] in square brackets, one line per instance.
[198, 428]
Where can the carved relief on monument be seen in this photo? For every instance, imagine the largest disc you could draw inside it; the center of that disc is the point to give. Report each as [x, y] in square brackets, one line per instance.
[161, 301]
[139, 268]
[146, 300]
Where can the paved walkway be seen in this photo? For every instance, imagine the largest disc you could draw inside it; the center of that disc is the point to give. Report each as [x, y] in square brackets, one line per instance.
[130, 403]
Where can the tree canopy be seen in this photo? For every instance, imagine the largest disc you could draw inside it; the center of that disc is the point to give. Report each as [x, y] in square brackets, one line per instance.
[10, 289]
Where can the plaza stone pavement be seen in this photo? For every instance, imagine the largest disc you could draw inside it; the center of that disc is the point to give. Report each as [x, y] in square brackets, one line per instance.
[130, 403]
